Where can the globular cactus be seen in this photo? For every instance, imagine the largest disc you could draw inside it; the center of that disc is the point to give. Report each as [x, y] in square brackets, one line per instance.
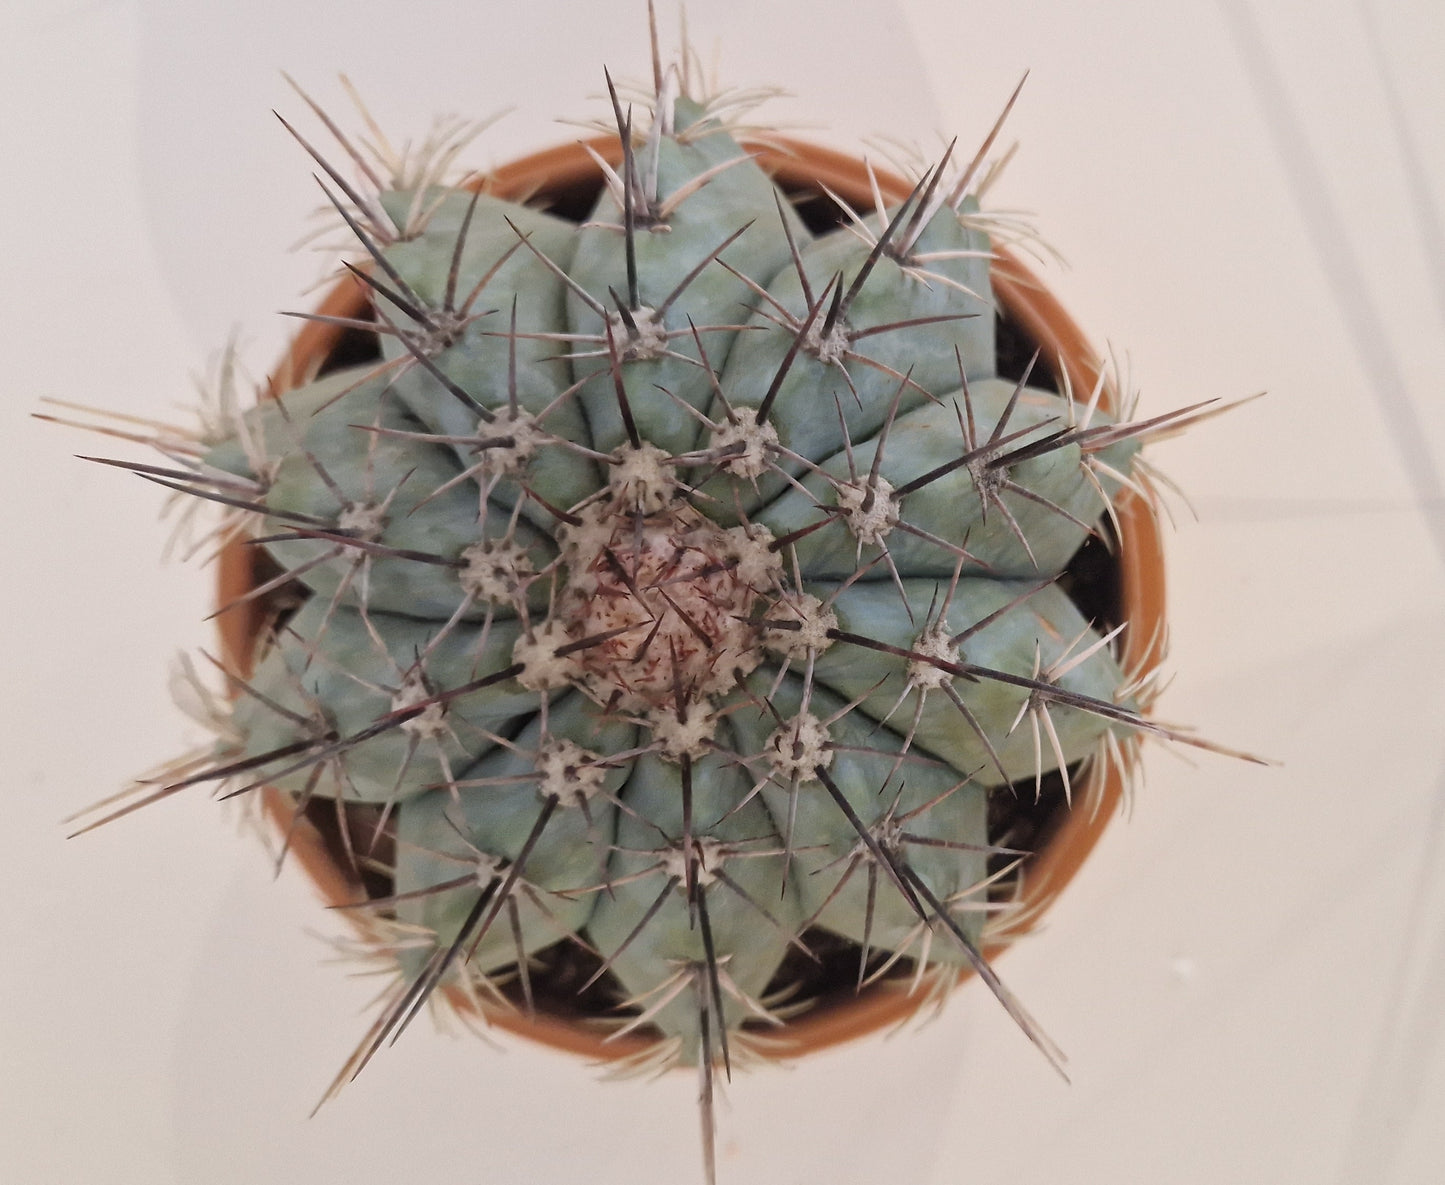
[672, 593]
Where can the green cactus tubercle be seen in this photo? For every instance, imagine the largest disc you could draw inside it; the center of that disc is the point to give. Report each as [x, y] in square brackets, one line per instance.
[679, 586]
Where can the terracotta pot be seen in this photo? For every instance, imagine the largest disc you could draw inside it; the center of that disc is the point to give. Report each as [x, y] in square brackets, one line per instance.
[1034, 318]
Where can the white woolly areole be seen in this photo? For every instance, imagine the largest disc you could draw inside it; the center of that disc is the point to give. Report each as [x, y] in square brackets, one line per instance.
[758, 565]
[751, 439]
[815, 620]
[798, 748]
[365, 520]
[583, 542]
[642, 479]
[709, 857]
[831, 348]
[430, 722]
[565, 768]
[650, 340]
[683, 734]
[509, 460]
[542, 668]
[887, 834]
[487, 868]
[495, 570]
[870, 519]
[932, 643]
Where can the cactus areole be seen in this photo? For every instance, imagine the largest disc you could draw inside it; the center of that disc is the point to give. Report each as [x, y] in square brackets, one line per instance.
[687, 599]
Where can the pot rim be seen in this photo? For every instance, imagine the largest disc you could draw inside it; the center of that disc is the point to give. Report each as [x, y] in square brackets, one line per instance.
[795, 164]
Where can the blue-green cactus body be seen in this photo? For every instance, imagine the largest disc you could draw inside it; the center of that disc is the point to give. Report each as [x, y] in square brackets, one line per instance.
[498, 801]
[500, 269]
[751, 910]
[927, 809]
[1031, 526]
[916, 321]
[333, 672]
[661, 362]
[1040, 628]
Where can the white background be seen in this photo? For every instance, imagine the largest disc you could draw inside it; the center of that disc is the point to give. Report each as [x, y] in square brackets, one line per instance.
[1249, 978]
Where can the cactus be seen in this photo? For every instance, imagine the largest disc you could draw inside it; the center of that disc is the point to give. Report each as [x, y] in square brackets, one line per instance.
[679, 589]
